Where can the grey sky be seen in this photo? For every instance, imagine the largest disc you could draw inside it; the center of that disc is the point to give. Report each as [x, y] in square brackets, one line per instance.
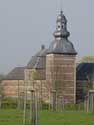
[26, 24]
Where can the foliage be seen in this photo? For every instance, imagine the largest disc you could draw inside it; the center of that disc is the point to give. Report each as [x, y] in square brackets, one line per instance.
[12, 103]
[87, 59]
[74, 107]
[34, 74]
[1, 77]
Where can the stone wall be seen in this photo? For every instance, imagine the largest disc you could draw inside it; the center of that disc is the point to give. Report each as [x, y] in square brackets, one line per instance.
[61, 76]
[39, 83]
[38, 74]
[12, 88]
[40, 87]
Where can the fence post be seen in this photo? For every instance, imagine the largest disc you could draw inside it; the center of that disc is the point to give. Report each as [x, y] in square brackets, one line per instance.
[33, 108]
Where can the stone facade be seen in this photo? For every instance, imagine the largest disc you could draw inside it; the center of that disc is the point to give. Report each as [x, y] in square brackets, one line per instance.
[12, 88]
[39, 83]
[61, 76]
[37, 74]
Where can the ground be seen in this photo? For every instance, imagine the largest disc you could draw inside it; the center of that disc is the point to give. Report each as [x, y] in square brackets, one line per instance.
[14, 117]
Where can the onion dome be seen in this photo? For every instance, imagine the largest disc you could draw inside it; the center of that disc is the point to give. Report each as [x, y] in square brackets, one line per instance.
[61, 44]
[38, 61]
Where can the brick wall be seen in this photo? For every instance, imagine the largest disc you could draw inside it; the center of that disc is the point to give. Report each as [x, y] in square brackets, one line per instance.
[11, 88]
[61, 75]
[40, 74]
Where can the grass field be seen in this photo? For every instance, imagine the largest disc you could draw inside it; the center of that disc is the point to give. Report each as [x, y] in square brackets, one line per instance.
[14, 117]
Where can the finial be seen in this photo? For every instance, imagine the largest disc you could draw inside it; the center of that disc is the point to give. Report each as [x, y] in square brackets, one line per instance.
[61, 12]
[42, 46]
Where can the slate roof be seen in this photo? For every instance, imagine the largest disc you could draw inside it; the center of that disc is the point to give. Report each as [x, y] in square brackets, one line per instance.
[16, 74]
[85, 71]
[38, 61]
[61, 44]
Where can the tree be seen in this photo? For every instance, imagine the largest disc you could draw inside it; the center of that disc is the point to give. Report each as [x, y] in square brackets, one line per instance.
[1, 86]
[1, 90]
[87, 59]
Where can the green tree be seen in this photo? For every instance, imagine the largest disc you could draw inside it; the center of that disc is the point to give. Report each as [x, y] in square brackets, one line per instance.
[1, 86]
[1, 90]
[34, 74]
[88, 59]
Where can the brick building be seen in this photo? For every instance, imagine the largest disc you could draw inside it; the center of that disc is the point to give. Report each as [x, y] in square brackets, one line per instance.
[13, 83]
[56, 65]
[54, 68]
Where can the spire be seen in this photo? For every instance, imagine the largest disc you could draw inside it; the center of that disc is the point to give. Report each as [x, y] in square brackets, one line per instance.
[61, 26]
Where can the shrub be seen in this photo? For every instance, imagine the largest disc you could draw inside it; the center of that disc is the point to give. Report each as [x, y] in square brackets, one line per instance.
[12, 103]
[74, 106]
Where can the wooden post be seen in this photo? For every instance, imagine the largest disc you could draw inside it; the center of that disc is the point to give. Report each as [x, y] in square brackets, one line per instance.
[21, 100]
[85, 104]
[54, 100]
[25, 100]
[61, 103]
[49, 101]
[18, 96]
[90, 101]
[33, 108]
[0, 101]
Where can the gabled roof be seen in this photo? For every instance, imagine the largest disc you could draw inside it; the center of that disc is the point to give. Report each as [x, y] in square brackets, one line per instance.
[85, 71]
[16, 74]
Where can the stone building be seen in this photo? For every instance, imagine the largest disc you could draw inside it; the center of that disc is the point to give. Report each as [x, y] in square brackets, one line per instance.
[54, 69]
[13, 83]
[56, 65]
[35, 74]
[60, 63]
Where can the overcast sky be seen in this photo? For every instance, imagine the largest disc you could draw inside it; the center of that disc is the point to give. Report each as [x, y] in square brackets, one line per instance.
[26, 24]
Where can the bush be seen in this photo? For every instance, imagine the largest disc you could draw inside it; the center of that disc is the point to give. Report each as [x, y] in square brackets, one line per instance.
[74, 106]
[45, 106]
[12, 103]
[9, 103]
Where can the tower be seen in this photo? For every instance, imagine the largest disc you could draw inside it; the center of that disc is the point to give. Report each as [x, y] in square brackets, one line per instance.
[60, 63]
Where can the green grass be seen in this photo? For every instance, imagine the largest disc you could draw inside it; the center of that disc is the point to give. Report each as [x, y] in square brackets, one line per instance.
[10, 117]
[14, 117]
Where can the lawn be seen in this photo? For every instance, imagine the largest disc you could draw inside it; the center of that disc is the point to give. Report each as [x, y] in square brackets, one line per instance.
[14, 117]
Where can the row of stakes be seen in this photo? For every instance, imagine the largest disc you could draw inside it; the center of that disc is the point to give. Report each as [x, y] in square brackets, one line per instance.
[34, 106]
[88, 104]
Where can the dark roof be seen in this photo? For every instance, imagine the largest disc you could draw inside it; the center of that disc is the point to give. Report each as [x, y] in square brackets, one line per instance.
[38, 61]
[85, 71]
[16, 74]
[63, 46]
